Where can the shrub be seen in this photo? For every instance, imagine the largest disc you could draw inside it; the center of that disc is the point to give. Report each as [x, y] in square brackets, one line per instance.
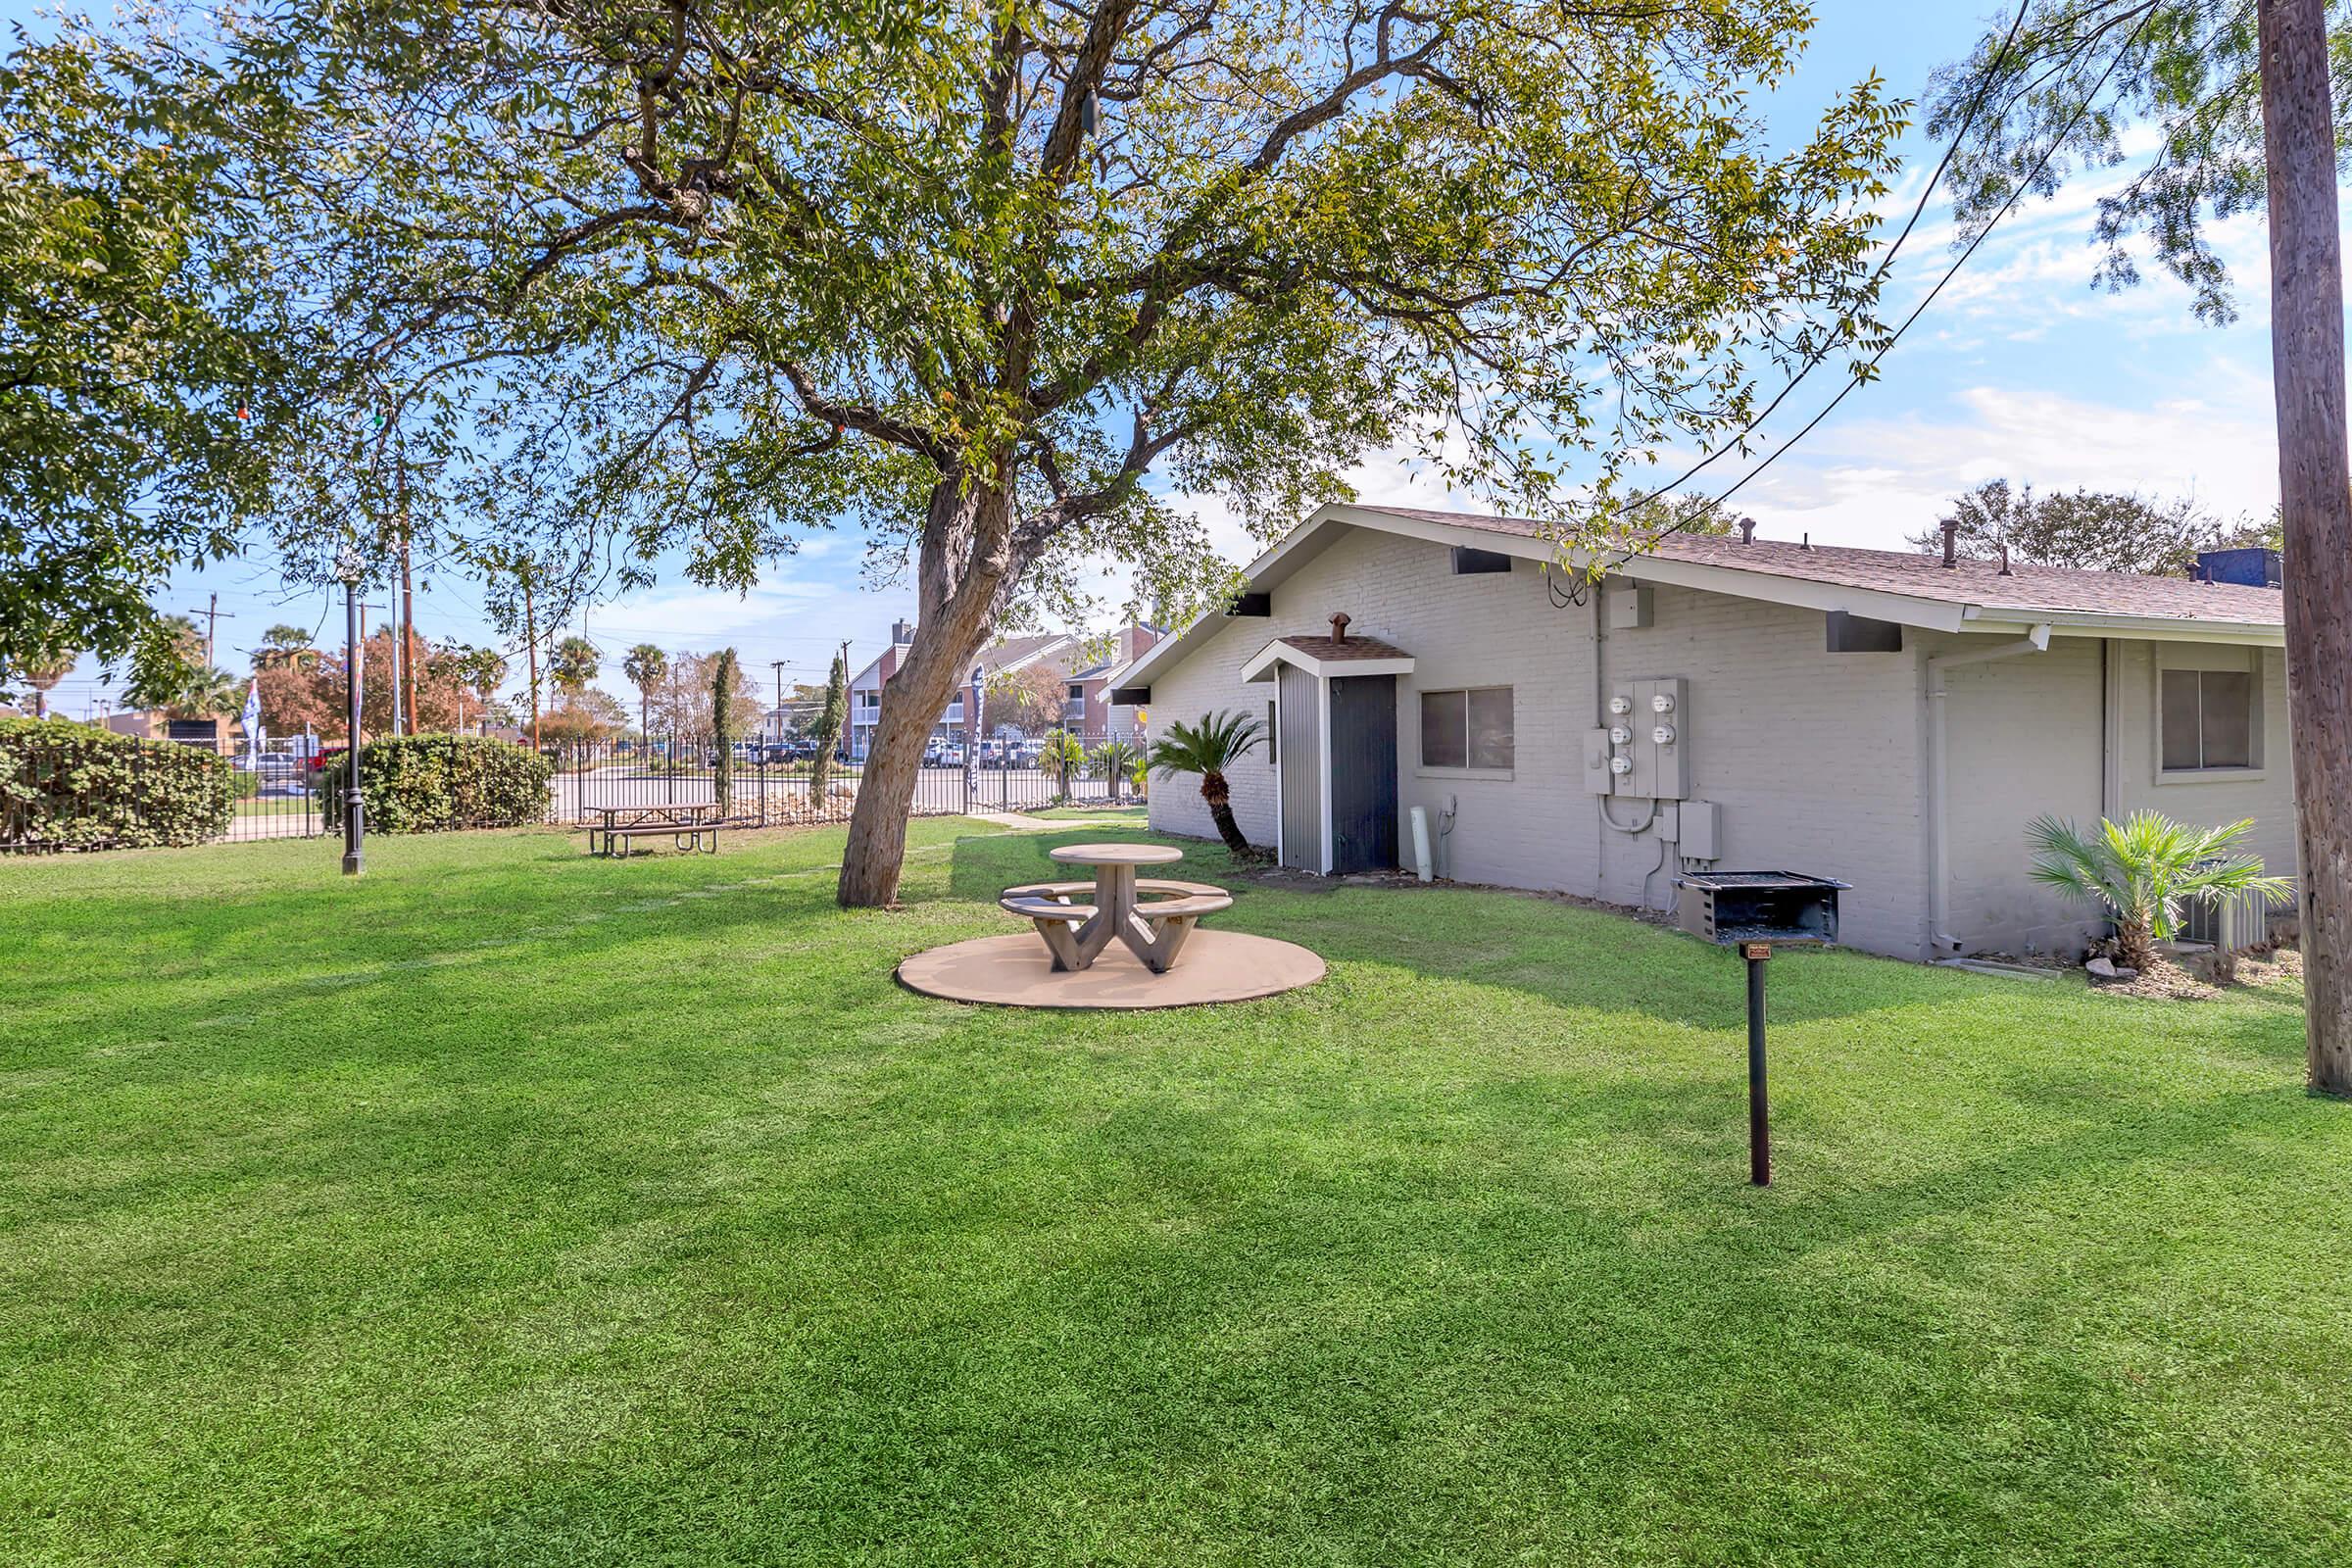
[1114, 760]
[432, 783]
[71, 786]
[2140, 871]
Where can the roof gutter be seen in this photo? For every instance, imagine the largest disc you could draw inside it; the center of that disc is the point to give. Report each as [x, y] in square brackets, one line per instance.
[1941, 944]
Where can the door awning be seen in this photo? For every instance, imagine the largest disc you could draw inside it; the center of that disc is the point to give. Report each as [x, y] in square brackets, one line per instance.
[1326, 656]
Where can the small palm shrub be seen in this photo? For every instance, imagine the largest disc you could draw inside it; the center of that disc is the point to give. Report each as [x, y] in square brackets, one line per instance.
[1208, 749]
[2144, 871]
[1062, 754]
[1113, 761]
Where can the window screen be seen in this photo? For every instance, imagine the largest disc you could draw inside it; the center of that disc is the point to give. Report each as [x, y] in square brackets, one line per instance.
[1445, 735]
[2207, 719]
[1467, 728]
[1490, 727]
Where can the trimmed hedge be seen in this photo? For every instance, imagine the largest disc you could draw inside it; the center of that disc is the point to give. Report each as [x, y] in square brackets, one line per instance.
[68, 786]
[432, 783]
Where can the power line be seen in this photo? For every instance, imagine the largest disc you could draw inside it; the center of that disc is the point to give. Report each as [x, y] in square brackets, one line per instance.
[1885, 263]
[1856, 379]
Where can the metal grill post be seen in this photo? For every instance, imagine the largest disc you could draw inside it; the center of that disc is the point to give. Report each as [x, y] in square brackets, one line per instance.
[1759, 1107]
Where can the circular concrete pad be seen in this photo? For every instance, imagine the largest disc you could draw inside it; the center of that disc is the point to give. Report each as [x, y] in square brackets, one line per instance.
[1016, 971]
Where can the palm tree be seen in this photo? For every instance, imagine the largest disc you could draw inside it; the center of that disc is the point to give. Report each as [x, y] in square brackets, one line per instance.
[204, 693]
[645, 664]
[43, 673]
[482, 669]
[1061, 754]
[574, 665]
[1208, 749]
[2143, 869]
[1114, 759]
[288, 646]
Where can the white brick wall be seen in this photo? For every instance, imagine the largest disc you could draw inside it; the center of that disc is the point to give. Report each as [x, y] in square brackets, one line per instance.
[1816, 759]
[2026, 739]
[1813, 758]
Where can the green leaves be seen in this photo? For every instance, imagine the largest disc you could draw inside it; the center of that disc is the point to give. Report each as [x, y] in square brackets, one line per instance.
[705, 277]
[2146, 868]
[2051, 106]
[143, 333]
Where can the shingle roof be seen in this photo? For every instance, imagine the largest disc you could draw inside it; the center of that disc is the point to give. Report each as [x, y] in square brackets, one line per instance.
[1017, 649]
[1326, 650]
[1924, 577]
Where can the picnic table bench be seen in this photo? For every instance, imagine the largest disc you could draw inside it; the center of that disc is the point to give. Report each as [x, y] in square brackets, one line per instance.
[1153, 928]
[687, 827]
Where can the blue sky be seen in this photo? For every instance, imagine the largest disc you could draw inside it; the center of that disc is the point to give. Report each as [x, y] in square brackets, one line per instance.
[2021, 371]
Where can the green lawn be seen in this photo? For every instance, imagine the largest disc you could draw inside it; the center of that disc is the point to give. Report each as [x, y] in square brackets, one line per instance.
[514, 1208]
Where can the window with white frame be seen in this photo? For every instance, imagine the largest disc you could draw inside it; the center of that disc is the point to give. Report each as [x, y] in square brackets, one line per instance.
[1468, 729]
[2207, 719]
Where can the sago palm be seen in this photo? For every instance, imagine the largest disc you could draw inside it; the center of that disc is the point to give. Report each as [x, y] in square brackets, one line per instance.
[1113, 761]
[1208, 749]
[2144, 871]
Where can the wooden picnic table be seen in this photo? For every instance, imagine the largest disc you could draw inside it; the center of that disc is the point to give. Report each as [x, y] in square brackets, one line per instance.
[694, 826]
[1154, 931]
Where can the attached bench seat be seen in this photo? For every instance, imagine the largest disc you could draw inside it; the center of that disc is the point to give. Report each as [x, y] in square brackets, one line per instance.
[1015, 901]
[1074, 931]
[703, 836]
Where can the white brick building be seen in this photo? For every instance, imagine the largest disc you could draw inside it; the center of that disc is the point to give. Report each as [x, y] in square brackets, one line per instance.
[1877, 717]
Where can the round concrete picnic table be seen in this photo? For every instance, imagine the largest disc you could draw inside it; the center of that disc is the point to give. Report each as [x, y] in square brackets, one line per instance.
[1114, 866]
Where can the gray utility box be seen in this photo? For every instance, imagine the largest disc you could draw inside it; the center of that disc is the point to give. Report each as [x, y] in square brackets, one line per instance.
[1759, 906]
[1658, 747]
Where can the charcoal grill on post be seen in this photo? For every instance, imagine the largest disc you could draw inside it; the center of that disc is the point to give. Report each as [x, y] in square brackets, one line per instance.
[1751, 910]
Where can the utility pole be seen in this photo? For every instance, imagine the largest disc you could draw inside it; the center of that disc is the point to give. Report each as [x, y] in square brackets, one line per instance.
[2314, 494]
[213, 617]
[777, 664]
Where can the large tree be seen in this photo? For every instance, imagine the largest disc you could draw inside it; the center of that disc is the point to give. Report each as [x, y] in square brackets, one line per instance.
[692, 275]
[2098, 531]
[2246, 120]
[144, 335]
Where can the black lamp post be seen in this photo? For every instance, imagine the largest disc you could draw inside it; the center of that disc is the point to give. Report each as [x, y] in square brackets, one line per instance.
[348, 567]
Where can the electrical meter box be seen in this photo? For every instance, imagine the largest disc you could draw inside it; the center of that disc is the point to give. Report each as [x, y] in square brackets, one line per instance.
[1656, 747]
[1598, 780]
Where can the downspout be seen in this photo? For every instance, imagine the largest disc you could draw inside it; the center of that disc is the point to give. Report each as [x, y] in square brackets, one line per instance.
[1941, 943]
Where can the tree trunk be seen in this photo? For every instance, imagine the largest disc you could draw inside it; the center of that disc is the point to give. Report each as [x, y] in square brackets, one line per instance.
[1219, 796]
[2135, 943]
[958, 608]
[2315, 491]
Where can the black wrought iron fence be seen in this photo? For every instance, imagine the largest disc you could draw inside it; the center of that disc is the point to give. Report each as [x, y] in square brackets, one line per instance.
[274, 791]
[774, 783]
[105, 791]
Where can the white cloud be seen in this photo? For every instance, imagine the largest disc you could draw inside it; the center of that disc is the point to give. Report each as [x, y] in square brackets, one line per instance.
[1873, 481]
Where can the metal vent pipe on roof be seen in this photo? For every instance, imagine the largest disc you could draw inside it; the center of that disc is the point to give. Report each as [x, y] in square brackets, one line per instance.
[1952, 541]
[1339, 627]
[1748, 530]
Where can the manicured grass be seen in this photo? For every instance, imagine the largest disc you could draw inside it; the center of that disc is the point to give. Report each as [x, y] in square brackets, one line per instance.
[514, 1207]
[1098, 813]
